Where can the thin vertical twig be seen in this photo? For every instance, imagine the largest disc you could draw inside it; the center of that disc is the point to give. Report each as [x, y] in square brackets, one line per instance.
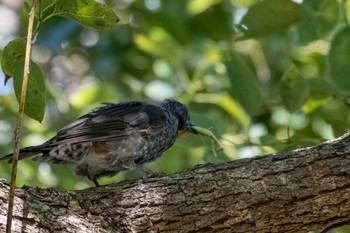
[20, 117]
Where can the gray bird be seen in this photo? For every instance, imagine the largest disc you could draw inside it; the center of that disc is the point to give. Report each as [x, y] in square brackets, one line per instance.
[114, 138]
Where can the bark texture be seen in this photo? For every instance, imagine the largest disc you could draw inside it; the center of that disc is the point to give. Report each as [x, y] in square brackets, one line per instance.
[293, 191]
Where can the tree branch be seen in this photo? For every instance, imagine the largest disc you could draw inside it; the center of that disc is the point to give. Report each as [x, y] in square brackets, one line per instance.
[294, 191]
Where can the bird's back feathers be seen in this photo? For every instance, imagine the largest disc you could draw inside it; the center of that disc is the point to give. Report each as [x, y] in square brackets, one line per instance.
[114, 121]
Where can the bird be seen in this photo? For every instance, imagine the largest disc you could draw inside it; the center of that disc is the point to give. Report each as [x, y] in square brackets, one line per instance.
[114, 137]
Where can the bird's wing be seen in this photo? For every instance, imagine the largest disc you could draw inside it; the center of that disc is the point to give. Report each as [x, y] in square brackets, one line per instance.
[113, 122]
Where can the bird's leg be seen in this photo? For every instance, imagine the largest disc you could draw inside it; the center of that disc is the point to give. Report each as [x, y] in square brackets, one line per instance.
[93, 179]
[147, 173]
[96, 183]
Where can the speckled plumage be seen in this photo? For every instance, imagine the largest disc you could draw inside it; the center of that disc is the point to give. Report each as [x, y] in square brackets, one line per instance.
[114, 138]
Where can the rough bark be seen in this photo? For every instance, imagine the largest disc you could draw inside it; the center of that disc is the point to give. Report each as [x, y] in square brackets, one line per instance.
[293, 191]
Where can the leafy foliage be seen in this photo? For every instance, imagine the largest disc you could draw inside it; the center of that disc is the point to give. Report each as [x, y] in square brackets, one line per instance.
[87, 12]
[261, 18]
[243, 84]
[12, 55]
[291, 83]
[339, 66]
[35, 103]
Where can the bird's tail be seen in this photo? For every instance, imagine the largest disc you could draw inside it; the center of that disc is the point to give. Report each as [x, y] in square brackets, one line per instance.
[24, 153]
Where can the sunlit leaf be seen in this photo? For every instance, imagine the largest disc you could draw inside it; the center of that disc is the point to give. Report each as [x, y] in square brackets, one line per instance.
[338, 61]
[244, 85]
[87, 12]
[313, 104]
[227, 103]
[35, 98]
[270, 16]
[198, 6]
[294, 89]
[84, 95]
[13, 54]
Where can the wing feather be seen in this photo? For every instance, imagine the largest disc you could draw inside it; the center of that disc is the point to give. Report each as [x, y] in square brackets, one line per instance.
[114, 122]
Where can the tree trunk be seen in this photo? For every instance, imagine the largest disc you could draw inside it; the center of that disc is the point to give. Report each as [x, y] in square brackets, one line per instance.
[294, 191]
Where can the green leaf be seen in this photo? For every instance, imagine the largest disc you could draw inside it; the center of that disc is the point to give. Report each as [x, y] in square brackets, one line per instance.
[270, 16]
[319, 88]
[313, 4]
[244, 85]
[199, 6]
[87, 12]
[13, 54]
[294, 89]
[227, 103]
[35, 98]
[338, 61]
[321, 23]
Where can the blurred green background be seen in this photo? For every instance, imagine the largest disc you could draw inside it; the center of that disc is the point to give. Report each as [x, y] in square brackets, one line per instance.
[265, 76]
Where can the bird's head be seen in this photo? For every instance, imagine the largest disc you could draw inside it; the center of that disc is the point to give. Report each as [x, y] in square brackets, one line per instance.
[181, 112]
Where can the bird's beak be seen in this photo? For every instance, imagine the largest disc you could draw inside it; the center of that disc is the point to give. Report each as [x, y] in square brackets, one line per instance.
[190, 128]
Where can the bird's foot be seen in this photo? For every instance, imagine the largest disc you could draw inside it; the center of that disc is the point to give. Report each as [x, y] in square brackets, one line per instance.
[148, 173]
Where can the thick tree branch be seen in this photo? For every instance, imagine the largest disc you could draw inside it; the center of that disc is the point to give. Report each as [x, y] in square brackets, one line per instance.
[294, 191]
